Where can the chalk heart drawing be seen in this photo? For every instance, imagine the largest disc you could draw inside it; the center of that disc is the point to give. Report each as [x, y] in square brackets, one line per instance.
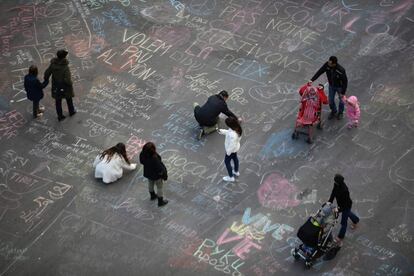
[402, 173]
[277, 192]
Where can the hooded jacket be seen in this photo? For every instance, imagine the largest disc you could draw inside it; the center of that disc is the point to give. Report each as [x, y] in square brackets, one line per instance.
[336, 76]
[61, 78]
[341, 193]
[207, 115]
[33, 87]
[154, 169]
[352, 108]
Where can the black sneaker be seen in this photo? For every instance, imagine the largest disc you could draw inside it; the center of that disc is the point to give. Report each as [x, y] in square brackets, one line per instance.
[331, 115]
[71, 114]
[339, 116]
[61, 118]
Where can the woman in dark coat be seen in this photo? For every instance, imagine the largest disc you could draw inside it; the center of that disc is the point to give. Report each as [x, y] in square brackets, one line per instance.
[34, 90]
[62, 86]
[154, 170]
[341, 193]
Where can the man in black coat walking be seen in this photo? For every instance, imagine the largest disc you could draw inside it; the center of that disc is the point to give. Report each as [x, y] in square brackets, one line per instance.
[338, 83]
[341, 193]
[207, 115]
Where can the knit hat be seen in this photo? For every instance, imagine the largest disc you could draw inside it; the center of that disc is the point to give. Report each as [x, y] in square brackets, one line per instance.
[61, 54]
[352, 100]
[339, 179]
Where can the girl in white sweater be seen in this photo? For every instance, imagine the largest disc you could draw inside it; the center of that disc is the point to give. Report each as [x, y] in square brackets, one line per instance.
[231, 145]
[109, 165]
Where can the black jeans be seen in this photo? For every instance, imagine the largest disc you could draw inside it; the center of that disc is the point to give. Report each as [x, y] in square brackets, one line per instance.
[35, 108]
[58, 102]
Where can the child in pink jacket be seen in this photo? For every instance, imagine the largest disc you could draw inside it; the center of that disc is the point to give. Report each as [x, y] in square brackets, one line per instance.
[352, 111]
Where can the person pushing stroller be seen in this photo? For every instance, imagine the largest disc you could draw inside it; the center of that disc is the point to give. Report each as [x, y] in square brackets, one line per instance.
[316, 236]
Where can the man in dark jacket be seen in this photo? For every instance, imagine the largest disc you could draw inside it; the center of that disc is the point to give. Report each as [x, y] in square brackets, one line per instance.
[34, 90]
[62, 86]
[338, 83]
[207, 115]
[341, 193]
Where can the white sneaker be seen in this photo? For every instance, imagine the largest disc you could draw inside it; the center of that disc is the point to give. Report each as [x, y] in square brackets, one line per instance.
[236, 173]
[228, 179]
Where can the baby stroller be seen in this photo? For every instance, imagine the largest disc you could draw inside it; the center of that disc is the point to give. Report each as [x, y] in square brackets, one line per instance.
[310, 109]
[316, 236]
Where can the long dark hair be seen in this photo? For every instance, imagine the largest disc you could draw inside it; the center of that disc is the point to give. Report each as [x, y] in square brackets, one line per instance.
[118, 149]
[33, 70]
[149, 149]
[233, 123]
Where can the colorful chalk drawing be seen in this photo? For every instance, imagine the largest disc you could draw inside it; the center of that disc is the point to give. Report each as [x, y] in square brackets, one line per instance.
[277, 192]
[280, 144]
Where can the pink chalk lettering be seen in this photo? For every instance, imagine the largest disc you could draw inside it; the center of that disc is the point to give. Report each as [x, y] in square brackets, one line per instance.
[243, 247]
[134, 145]
[223, 239]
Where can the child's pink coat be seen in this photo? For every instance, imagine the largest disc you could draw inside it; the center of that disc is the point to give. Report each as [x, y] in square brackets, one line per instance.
[352, 109]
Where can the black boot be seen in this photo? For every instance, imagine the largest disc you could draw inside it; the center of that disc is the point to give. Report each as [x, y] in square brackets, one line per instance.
[162, 202]
[153, 195]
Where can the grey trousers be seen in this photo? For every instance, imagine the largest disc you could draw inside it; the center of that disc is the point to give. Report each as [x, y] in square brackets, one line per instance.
[159, 183]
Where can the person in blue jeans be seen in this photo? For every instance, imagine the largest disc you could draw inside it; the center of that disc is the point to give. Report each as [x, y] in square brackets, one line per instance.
[340, 192]
[338, 83]
[231, 145]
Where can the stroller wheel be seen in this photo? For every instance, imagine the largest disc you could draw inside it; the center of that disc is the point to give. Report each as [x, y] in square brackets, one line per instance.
[295, 135]
[319, 125]
[295, 253]
[309, 141]
[308, 264]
